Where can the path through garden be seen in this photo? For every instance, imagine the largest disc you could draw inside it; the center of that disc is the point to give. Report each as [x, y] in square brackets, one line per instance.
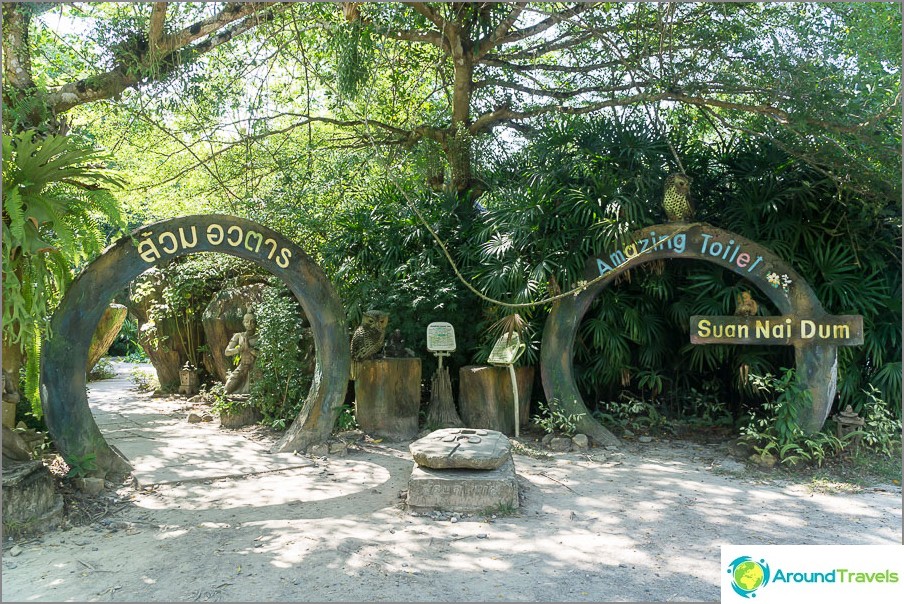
[212, 517]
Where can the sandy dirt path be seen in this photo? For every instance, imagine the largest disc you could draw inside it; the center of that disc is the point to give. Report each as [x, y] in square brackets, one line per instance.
[642, 523]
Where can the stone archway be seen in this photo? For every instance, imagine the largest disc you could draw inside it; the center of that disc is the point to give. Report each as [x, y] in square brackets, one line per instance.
[817, 364]
[63, 395]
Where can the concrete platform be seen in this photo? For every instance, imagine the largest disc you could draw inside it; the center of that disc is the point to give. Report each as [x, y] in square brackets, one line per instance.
[463, 490]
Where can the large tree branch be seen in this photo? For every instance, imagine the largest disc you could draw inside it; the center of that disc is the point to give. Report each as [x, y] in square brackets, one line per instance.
[490, 41]
[561, 95]
[554, 19]
[122, 77]
[427, 11]
[155, 28]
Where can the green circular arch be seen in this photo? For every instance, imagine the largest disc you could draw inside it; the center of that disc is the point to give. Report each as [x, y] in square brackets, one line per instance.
[65, 354]
[817, 365]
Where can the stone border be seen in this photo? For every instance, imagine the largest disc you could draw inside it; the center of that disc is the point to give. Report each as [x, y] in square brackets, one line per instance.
[63, 395]
[817, 364]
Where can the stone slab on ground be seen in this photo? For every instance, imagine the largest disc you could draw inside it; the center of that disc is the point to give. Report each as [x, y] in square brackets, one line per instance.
[462, 448]
[463, 490]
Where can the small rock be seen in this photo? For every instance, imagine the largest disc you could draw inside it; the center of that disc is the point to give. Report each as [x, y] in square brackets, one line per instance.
[15, 551]
[194, 417]
[580, 441]
[645, 439]
[482, 536]
[319, 450]
[545, 440]
[351, 435]
[560, 444]
[453, 519]
[338, 448]
[628, 434]
[766, 460]
[732, 465]
[90, 485]
[206, 417]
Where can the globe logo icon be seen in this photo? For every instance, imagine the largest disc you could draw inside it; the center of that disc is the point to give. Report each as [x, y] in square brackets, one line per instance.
[748, 575]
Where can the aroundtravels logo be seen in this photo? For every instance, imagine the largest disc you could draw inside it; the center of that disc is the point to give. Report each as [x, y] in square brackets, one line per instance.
[748, 575]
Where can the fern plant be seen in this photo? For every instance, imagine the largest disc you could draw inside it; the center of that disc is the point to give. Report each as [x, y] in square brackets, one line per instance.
[56, 206]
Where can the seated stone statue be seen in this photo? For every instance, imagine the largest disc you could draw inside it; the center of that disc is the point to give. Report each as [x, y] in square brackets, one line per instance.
[244, 344]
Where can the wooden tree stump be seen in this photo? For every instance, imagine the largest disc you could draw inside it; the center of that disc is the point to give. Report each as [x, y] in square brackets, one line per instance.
[388, 397]
[485, 397]
[441, 411]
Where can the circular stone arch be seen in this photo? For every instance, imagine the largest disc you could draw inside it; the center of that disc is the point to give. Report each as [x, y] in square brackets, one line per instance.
[817, 364]
[63, 395]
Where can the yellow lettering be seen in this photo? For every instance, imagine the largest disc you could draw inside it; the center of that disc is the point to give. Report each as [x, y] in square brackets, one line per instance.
[215, 240]
[731, 331]
[762, 329]
[703, 330]
[807, 329]
[778, 331]
[825, 331]
[270, 241]
[283, 260]
[230, 231]
[172, 237]
[260, 240]
[150, 253]
[743, 331]
[194, 237]
[841, 332]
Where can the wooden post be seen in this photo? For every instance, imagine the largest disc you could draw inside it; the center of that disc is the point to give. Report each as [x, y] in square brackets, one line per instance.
[485, 397]
[388, 397]
[441, 411]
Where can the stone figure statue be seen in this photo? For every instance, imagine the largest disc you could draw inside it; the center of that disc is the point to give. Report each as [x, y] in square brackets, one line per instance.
[244, 344]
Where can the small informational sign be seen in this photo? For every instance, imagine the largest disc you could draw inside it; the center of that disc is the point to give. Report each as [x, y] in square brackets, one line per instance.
[440, 337]
[506, 350]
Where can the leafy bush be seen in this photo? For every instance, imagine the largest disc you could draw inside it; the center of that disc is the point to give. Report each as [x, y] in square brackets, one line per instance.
[776, 431]
[285, 372]
[552, 420]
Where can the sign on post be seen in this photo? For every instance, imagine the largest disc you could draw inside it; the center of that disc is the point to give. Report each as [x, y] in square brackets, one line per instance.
[440, 337]
[506, 351]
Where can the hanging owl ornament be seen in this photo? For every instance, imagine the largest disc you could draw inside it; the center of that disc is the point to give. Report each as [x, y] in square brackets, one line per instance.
[677, 199]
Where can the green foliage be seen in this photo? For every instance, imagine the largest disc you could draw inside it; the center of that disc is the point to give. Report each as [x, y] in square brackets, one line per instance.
[145, 380]
[55, 210]
[631, 413]
[346, 419]
[552, 420]
[81, 466]
[103, 370]
[285, 369]
[881, 431]
[775, 431]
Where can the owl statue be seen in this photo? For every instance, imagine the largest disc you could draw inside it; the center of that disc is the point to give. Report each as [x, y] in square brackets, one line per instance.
[745, 306]
[368, 338]
[677, 198]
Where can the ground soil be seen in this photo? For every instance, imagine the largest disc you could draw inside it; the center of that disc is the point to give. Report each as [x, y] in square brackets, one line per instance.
[640, 523]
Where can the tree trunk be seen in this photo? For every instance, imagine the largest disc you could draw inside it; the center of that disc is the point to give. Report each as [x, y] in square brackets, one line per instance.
[441, 411]
[388, 397]
[486, 399]
[106, 332]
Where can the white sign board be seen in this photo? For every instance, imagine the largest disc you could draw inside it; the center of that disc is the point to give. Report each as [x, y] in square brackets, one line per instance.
[506, 350]
[440, 337]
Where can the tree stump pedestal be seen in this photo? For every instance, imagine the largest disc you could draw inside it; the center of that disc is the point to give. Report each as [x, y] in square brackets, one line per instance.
[485, 397]
[388, 398]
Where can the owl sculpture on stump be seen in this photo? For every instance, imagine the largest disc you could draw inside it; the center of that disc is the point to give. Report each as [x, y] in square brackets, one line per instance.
[368, 339]
[677, 198]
